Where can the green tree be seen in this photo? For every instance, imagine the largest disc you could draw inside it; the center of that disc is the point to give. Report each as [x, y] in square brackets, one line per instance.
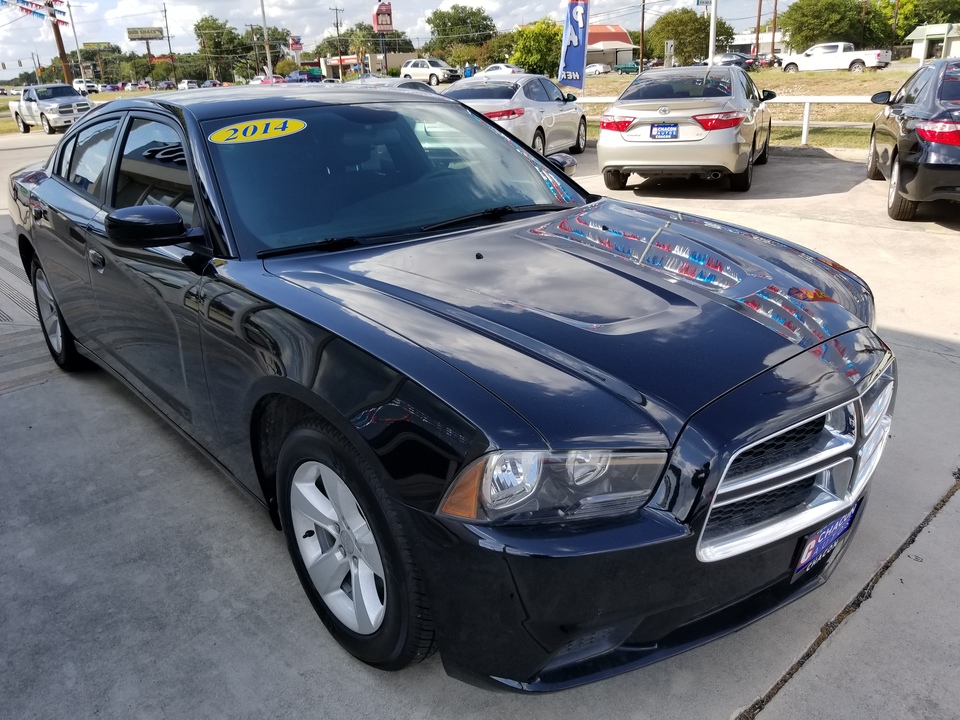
[362, 43]
[690, 33]
[459, 24]
[912, 13]
[498, 49]
[808, 22]
[285, 67]
[461, 54]
[537, 47]
[162, 70]
[220, 46]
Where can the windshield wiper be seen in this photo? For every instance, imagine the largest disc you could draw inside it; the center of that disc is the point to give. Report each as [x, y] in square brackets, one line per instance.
[325, 245]
[496, 213]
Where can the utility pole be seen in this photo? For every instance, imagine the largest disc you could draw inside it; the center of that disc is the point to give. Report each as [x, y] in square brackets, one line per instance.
[253, 42]
[266, 43]
[336, 23]
[166, 27]
[756, 39]
[896, 16]
[713, 32]
[52, 14]
[773, 33]
[863, 22]
[643, 12]
[77, 43]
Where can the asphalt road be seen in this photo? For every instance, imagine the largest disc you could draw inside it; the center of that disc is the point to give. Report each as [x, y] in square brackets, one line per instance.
[137, 582]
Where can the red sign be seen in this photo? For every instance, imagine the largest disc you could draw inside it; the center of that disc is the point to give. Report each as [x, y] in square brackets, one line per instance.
[383, 18]
[295, 42]
[161, 58]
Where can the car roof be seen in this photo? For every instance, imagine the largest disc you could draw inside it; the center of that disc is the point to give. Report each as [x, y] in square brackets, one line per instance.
[211, 103]
[693, 71]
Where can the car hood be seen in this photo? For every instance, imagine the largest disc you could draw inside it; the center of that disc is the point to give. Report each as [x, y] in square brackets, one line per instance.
[660, 311]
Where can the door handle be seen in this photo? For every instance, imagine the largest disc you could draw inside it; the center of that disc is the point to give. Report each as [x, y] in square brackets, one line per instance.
[96, 259]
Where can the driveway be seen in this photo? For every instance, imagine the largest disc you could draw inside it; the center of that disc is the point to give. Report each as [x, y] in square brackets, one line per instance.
[136, 581]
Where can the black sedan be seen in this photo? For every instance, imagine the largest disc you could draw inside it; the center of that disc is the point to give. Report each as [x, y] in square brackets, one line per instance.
[554, 436]
[915, 142]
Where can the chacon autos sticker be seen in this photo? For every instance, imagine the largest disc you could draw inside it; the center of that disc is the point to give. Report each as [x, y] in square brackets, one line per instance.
[256, 130]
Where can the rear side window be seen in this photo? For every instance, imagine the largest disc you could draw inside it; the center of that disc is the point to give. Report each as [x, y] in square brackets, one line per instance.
[667, 86]
[950, 90]
[483, 92]
[534, 91]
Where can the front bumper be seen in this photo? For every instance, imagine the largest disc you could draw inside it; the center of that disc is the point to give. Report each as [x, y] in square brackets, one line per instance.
[540, 608]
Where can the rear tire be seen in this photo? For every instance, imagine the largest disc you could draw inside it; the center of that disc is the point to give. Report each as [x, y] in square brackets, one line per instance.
[857, 66]
[615, 179]
[898, 207]
[59, 339]
[581, 138]
[873, 162]
[21, 125]
[348, 542]
[741, 181]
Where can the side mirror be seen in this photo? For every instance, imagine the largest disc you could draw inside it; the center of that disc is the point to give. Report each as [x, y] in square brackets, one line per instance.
[881, 98]
[767, 95]
[570, 97]
[565, 163]
[146, 226]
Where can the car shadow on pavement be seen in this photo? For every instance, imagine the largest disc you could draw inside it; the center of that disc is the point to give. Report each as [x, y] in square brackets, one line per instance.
[808, 177]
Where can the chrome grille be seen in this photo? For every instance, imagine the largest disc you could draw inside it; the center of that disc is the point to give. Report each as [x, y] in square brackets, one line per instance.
[799, 476]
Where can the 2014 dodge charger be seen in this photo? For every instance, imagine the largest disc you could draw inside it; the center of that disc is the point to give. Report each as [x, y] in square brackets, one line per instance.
[554, 435]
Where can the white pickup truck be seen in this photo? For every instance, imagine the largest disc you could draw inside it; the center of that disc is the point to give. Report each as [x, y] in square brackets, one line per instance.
[52, 107]
[837, 56]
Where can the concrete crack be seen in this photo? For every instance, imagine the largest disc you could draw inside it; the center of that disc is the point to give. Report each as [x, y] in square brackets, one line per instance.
[865, 593]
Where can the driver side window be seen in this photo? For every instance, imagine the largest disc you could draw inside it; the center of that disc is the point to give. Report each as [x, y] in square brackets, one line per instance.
[153, 170]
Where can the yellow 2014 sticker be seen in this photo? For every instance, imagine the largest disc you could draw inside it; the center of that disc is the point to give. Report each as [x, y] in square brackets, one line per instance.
[256, 130]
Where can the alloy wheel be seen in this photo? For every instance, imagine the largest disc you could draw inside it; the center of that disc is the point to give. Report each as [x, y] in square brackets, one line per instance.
[49, 317]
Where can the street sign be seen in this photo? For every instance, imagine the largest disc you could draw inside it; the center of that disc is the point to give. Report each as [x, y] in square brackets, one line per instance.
[295, 42]
[96, 46]
[383, 18]
[147, 33]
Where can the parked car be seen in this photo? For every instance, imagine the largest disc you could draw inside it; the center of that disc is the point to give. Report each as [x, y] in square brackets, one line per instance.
[304, 76]
[187, 85]
[430, 70]
[210, 84]
[836, 56]
[707, 121]
[111, 87]
[500, 69]
[370, 80]
[596, 69]
[915, 140]
[3, 91]
[630, 68]
[556, 436]
[53, 107]
[769, 60]
[166, 85]
[272, 79]
[529, 107]
[741, 60]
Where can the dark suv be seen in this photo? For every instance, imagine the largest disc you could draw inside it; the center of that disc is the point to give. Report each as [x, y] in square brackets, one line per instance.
[303, 76]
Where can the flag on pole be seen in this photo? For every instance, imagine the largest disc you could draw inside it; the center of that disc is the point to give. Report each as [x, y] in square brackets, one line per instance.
[573, 54]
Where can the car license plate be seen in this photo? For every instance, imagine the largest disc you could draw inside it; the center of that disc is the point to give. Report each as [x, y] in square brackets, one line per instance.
[663, 131]
[823, 541]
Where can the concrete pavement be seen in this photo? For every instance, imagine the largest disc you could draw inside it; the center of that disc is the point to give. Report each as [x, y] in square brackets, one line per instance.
[135, 581]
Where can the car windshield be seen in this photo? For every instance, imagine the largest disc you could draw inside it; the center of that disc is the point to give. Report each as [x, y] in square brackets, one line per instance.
[374, 172]
[667, 86]
[45, 93]
[484, 91]
[437, 63]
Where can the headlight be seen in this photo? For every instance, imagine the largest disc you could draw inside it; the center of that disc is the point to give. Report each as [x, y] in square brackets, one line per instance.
[526, 486]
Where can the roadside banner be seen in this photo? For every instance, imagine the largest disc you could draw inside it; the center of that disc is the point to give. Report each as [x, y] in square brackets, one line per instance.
[573, 55]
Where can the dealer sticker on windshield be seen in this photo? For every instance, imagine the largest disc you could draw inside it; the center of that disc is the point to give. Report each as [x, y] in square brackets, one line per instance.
[256, 130]
[824, 540]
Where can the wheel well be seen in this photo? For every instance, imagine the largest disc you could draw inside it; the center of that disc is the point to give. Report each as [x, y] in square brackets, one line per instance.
[273, 419]
[26, 253]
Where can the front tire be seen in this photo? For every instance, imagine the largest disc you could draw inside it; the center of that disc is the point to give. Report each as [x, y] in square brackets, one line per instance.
[791, 68]
[539, 143]
[21, 125]
[581, 138]
[47, 127]
[898, 207]
[873, 162]
[434, 80]
[57, 335]
[348, 543]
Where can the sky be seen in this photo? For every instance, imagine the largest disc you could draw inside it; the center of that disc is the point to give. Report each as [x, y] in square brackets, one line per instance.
[106, 21]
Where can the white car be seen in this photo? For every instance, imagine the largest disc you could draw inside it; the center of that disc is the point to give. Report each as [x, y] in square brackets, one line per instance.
[430, 70]
[85, 87]
[596, 69]
[501, 69]
[529, 107]
[187, 85]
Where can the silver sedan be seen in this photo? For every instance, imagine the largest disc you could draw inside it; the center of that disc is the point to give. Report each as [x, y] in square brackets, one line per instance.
[708, 121]
[529, 107]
